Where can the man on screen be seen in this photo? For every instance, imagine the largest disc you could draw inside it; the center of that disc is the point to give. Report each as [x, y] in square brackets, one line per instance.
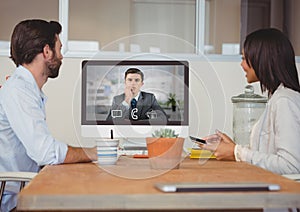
[135, 104]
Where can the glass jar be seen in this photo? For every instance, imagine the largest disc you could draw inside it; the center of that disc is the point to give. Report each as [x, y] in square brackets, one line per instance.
[247, 108]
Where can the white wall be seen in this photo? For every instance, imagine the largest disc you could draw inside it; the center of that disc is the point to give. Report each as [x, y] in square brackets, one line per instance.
[212, 85]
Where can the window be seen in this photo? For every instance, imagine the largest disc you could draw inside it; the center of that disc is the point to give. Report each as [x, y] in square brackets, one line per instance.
[215, 27]
[222, 27]
[227, 22]
[166, 26]
[280, 14]
[14, 11]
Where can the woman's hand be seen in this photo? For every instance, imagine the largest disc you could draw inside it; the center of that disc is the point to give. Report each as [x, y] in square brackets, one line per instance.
[221, 145]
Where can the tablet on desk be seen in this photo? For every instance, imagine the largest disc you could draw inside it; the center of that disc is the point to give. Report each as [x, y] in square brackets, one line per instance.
[216, 187]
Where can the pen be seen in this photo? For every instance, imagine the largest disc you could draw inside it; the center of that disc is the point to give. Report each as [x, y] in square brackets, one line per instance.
[111, 134]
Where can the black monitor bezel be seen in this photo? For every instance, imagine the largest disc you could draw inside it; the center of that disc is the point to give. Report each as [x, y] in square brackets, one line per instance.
[84, 64]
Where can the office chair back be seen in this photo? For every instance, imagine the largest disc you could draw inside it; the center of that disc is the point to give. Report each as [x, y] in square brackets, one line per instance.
[21, 177]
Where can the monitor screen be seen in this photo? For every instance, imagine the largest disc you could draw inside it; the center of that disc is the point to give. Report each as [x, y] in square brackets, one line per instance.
[134, 98]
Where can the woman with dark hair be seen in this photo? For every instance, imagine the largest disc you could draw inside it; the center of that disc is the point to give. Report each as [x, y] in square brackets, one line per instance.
[268, 57]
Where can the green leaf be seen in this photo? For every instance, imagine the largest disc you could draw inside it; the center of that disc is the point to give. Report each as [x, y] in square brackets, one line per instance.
[164, 133]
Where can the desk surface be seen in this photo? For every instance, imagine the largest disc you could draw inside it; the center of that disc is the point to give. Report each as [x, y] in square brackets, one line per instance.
[130, 186]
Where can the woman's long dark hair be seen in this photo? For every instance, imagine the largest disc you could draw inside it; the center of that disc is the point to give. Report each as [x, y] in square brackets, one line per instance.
[270, 53]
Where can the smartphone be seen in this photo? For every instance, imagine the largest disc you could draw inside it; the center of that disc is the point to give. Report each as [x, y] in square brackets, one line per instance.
[197, 140]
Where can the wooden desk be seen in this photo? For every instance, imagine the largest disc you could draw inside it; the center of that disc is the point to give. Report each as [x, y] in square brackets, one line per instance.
[87, 187]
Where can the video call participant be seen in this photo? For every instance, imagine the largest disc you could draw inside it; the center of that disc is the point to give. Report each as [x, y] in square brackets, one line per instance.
[25, 140]
[135, 104]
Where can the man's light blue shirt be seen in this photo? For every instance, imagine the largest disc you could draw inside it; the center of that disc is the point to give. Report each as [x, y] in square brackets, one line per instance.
[25, 141]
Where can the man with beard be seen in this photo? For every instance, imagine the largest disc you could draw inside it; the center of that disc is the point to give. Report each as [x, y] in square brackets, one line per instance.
[25, 141]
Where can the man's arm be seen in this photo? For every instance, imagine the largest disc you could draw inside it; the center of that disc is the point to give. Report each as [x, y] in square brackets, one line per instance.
[78, 154]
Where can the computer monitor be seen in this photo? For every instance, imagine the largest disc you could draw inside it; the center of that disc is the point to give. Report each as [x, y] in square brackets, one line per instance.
[103, 82]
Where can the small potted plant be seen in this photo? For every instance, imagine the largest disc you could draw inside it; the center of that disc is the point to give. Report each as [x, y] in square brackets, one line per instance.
[172, 101]
[165, 149]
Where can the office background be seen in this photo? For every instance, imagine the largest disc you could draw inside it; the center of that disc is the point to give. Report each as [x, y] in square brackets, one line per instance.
[213, 79]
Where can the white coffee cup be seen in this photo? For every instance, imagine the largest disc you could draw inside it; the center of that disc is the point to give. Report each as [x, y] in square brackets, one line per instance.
[107, 151]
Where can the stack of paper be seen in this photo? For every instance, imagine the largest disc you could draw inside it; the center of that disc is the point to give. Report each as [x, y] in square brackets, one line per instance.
[200, 153]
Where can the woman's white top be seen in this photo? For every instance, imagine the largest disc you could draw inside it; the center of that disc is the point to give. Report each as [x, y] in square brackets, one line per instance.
[275, 138]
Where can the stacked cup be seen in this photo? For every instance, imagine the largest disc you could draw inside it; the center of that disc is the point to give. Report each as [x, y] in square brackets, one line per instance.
[107, 151]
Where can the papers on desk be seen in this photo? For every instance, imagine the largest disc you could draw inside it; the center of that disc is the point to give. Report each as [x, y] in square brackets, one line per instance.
[200, 153]
[216, 187]
[295, 177]
[143, 153]
[132, 148]
[132, 152]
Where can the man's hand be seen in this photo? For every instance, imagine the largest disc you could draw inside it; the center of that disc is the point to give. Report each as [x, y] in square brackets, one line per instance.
[80, 155]
[128, 94]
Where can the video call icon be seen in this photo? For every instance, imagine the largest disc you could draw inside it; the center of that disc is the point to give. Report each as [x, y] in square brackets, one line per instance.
[116, 113]
[134, 115]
